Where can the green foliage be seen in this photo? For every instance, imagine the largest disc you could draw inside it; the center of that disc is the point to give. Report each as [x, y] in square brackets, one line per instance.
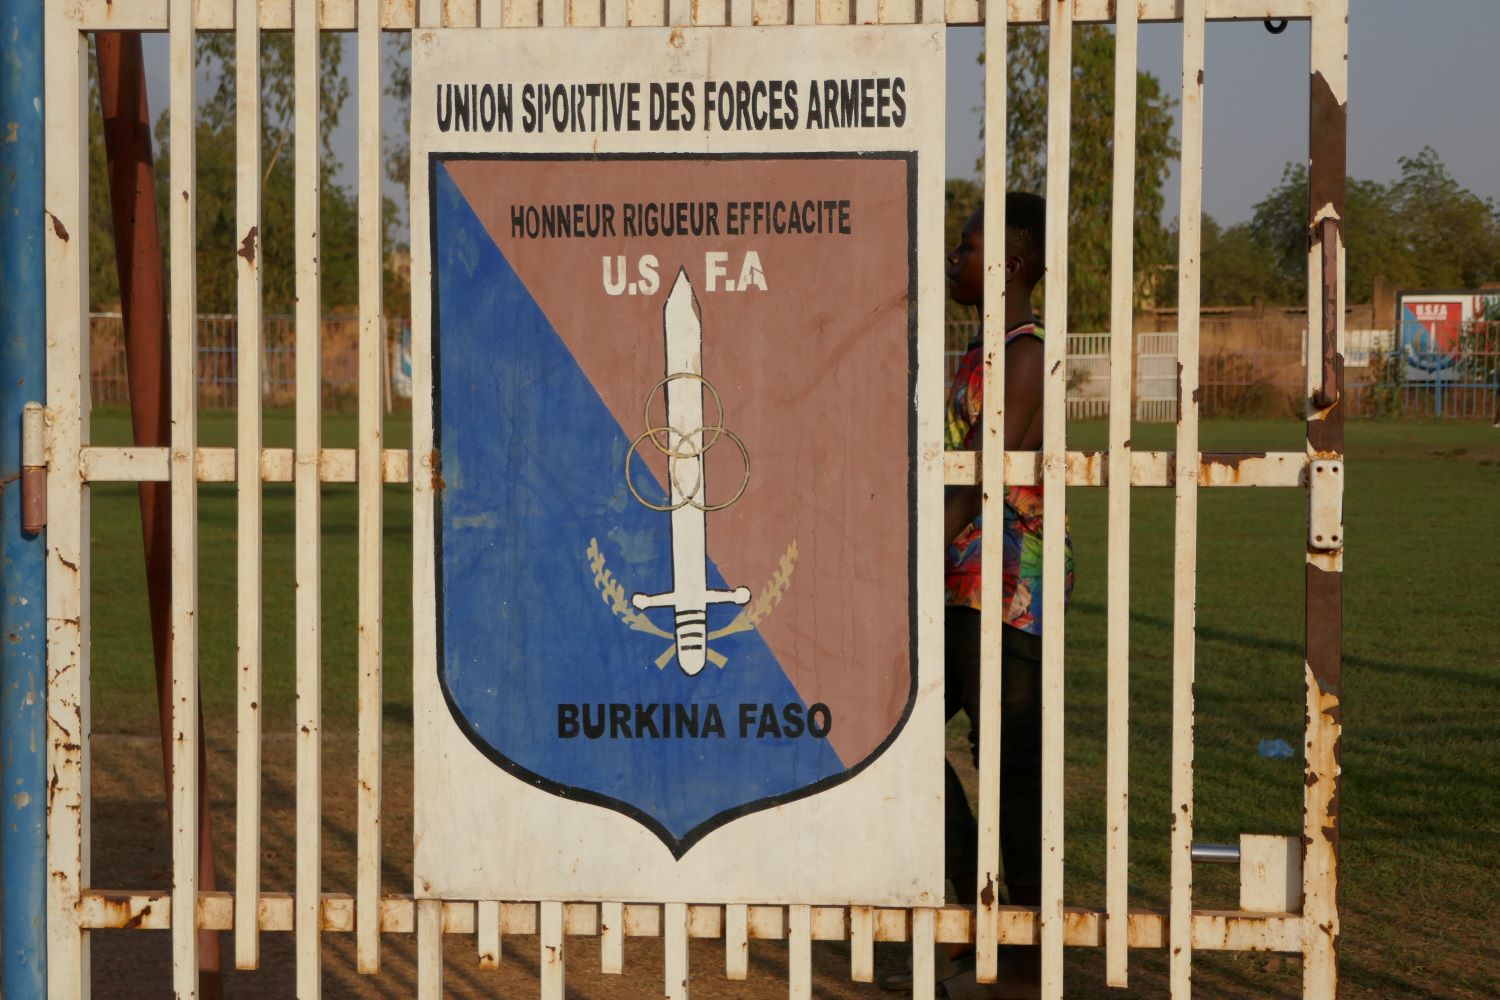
[104, 278]
[1387, 376]
[1091, 172]
[218, 238]
[1422, 230]
[1234, 266]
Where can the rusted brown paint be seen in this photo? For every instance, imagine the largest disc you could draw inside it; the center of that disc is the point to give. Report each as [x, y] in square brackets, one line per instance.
[1230, 459]
[58, 229]
[1325, 706]
[435, 462]
[1328, 125]
[247, 245]
[1329, 390]
[1325, 599]
[33, 500]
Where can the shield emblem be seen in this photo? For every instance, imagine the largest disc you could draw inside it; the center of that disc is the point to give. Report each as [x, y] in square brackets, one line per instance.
[673, 404]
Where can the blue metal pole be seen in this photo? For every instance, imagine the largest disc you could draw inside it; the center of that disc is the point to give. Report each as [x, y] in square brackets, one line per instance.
[23, 597]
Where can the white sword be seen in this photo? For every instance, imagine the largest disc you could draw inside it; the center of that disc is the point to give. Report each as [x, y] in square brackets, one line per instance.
[689, 597]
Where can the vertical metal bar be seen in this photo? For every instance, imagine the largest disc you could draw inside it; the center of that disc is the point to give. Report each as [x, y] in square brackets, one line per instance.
[424, 471]
[1328, 128]
[184, 395]
[804, 11]
[992, 468]
[1122, 325]
[66, 227]
[1054, 482]
[554, 13]
[736, 941]
[675, 949]
[585, 13]
[551, 919]
[862, 944]
[1185, 530]
[371, 526]
[491, 13]
[460, 13]
[799, 951]
[23, 554]
[923, 958]
[247, 463]
[308, 500]
[612, 938]
[487, 931]
[429, 949]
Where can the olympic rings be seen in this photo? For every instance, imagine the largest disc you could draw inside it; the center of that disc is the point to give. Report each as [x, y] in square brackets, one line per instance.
[680, 446]
[718, 428]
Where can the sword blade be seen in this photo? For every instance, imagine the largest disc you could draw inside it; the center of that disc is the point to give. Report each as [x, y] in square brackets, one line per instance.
[684, 400]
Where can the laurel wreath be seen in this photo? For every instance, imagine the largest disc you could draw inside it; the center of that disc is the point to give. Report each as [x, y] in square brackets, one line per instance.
[770, 595]
[613, 594]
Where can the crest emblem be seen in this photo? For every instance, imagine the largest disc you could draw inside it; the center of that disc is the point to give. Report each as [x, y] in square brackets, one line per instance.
[673, 552]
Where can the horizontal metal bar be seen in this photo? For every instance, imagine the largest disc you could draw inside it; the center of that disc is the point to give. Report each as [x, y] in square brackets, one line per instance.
[1147, 468]
[1231, 930]
[1216, 854]
[217, 465]
[397, 15]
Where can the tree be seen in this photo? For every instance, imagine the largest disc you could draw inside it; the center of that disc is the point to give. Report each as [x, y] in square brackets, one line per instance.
[1236, 270]
[1091, 172]
[218, 239]
[1422, 230]
[215, 212]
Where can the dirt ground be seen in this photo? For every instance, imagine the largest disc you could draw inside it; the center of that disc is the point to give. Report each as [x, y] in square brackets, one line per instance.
[131, 851]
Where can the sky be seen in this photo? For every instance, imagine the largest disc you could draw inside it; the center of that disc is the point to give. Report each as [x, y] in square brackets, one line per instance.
[1420, 74]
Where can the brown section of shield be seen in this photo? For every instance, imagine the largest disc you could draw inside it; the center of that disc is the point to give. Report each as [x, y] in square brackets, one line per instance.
[814, 377]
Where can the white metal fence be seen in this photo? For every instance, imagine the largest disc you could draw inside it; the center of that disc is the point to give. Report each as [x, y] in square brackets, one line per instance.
[1301, 921]
[219, 361]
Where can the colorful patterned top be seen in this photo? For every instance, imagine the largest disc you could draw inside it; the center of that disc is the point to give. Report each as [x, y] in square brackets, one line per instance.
[1022, 566]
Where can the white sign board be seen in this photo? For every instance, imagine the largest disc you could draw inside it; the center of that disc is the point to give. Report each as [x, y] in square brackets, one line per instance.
[677, 391]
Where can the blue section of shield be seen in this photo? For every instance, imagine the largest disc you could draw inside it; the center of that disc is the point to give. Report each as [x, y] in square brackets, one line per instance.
[532, 463]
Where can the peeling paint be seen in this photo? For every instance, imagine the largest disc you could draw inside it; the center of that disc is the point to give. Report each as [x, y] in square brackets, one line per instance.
[58, 229]
[247, 245]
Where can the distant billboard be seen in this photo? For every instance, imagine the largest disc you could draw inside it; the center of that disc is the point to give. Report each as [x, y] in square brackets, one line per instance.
[1430, 326]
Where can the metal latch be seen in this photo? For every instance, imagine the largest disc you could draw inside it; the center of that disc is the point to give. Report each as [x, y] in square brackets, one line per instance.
[1325, 531]
[33, 470]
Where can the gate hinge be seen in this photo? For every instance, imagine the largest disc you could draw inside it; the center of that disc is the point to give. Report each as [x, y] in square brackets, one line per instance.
[1325, 531]
[33, 470]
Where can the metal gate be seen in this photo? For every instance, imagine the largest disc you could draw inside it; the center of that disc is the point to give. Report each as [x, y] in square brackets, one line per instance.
[1303, 922]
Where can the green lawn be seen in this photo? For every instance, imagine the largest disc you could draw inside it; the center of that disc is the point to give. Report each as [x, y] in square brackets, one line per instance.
[1421, 810]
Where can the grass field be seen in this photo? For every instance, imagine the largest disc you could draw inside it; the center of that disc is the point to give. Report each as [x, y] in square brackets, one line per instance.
[1421, 810]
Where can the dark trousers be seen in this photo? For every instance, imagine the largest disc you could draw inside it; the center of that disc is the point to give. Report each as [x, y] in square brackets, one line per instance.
[1020, 755]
